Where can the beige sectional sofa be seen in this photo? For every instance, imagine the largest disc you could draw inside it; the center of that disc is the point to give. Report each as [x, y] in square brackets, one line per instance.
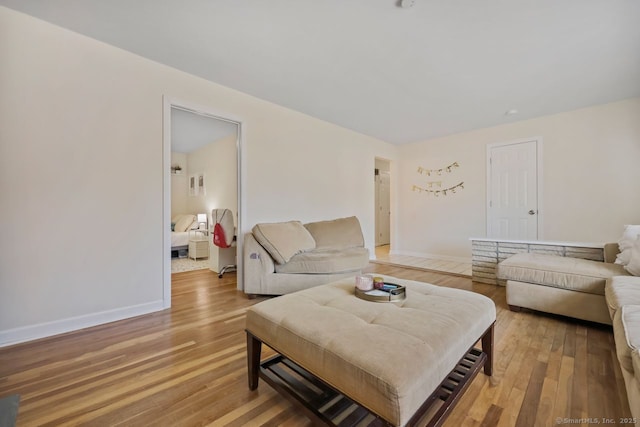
[280, 258]
[560, 285]
[602, 292]
[623, 300]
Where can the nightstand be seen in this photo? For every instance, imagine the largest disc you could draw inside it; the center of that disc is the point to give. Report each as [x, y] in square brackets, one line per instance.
[198, 244]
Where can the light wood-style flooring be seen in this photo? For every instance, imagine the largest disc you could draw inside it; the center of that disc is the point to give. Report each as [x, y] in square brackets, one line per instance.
[186, 367]
[384, 256]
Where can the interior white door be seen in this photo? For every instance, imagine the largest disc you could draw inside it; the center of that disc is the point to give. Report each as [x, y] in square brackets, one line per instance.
[383, 209]
[513, 191]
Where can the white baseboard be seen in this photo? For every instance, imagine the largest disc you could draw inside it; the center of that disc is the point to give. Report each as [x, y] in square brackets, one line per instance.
[47, 329]
[432, 256]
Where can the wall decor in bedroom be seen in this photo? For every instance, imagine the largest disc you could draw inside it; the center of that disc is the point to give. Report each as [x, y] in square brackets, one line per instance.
[193, 186]
[201, 190]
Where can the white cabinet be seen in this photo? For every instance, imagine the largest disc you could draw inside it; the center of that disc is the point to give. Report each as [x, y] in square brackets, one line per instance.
[198, 244]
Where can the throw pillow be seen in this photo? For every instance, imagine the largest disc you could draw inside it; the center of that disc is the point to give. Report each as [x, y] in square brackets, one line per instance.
[626, 242]
[184, 223]
[633, 266]
[283, 240]
[337, 234]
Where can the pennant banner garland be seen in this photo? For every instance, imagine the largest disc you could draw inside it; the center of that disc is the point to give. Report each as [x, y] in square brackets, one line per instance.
[428, 172]
[438, 184]
[437, 193]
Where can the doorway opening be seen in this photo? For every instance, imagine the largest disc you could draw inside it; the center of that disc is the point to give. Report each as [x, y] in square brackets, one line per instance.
[382, 183]
[205, 146]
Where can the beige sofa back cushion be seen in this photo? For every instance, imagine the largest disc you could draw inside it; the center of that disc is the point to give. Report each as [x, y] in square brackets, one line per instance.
[337, 234]
[326, 261]
[559, 272]
[611, 251]
[283, 239]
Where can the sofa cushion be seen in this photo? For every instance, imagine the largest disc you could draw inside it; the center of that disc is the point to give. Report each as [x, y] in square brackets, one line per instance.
[561, 272]
[629, 236]
[337, 234]
[326, 261]
[633, 266]
[635, 363]
[283, 239]
[626, 332]
[622, 290]
[632, 385]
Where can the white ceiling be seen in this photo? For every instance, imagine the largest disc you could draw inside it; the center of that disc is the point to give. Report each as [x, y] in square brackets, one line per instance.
[401, 75]
[190, 131]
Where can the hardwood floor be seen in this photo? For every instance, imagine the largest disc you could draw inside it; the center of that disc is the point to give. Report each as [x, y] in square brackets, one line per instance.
[384, 256]
[186, 366]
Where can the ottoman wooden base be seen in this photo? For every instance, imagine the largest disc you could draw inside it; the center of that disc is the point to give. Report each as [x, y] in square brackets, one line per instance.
[328, 406]
[391, 358]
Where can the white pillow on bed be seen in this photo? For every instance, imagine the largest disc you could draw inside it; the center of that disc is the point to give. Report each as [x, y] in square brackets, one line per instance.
[184, 222]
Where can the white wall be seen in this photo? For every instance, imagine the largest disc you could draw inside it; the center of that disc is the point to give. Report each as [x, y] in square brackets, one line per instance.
[81, 175]
[219, 163]
[590, 186]
[179, 184]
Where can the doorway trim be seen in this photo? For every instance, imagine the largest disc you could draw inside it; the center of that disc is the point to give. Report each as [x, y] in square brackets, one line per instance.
[539, 169]
[387, 163]
[168, 103]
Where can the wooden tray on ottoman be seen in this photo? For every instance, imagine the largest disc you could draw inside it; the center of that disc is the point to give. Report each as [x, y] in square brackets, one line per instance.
[382, 296]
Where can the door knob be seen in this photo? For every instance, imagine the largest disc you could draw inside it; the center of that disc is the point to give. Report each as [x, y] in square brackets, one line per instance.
[532, 212]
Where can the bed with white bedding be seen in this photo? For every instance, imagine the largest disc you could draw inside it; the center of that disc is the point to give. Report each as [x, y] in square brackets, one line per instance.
[179, 239]
[181, 226]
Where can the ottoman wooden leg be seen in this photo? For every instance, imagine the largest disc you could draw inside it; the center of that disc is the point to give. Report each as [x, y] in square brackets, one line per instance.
[254, 347]
[487, 348]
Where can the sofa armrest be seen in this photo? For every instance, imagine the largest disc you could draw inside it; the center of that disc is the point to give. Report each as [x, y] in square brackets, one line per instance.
[257, 265]
[611, 250]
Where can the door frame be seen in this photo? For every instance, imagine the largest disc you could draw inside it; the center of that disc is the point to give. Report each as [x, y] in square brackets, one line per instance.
[389, 163]
[168, 103]
[539, 169]
[378, 213]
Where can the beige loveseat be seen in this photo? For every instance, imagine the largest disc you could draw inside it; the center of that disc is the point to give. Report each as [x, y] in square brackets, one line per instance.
[280, 258]
[597, 291]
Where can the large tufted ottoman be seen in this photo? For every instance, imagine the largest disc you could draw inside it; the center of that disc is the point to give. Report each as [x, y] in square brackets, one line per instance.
[391, 359]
